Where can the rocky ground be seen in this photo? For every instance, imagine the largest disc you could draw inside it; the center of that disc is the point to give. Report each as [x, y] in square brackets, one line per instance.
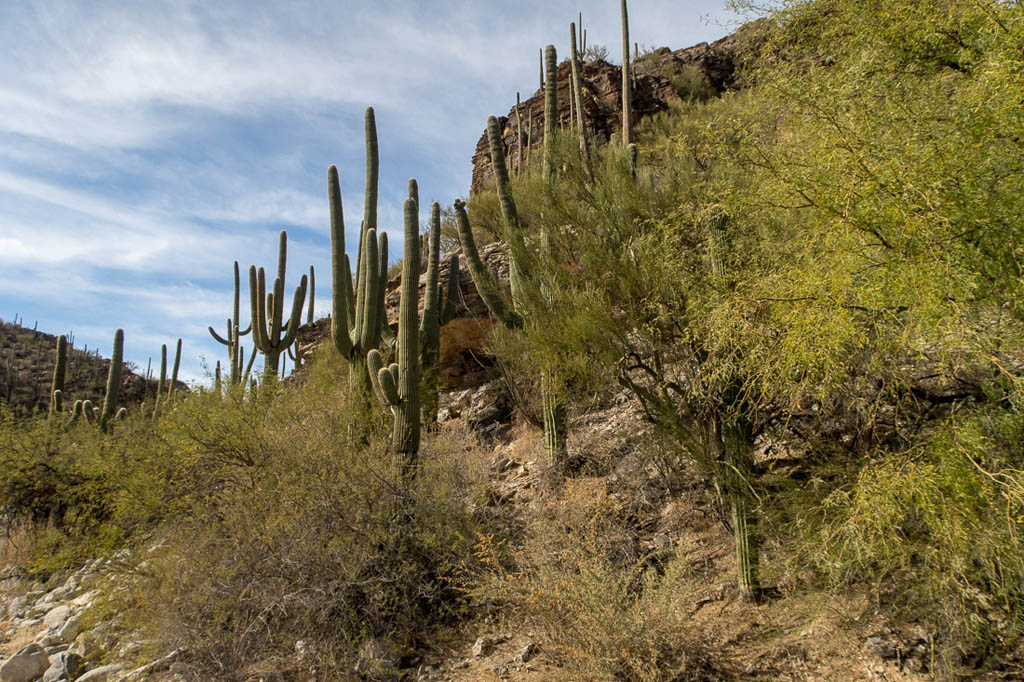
[65, 632]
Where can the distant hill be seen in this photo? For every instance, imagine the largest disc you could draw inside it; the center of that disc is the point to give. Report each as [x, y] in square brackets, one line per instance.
[27, 358]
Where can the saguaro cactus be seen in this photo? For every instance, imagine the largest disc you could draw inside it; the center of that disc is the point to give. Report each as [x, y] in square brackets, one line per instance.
[312, 295]
[554, 410]
[357, 312]
[234, 334]
[113, 381]
[271, 334]
[550, 108]
[59, 373]
[398, 386]
[627, 89]
[436, 313]
[734, 434]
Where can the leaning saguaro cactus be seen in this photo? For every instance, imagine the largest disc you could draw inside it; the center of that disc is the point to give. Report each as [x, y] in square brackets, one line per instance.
[398, 386]
[234, 335]
[357, 311]
[59, 372]
[271, 334]
[436, 313]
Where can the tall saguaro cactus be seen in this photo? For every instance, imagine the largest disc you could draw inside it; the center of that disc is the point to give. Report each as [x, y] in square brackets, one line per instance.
[436, 313]
[550, 108]
[59, 373]
[234, 334]
[358, 320]
[113, 381]
[512, 316]
[627, 89]
[734, 434]
[271, 334]
[398, 386]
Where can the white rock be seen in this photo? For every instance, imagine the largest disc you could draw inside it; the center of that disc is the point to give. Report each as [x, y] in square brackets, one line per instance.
[101, 674]
[56, 617]
[69, 630]
[28, 664]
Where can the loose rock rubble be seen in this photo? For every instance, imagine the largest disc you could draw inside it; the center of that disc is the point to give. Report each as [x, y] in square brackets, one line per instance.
[44, 636]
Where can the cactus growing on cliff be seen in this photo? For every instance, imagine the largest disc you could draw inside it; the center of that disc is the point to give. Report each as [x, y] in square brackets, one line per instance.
[398, 386]
[357, 312]
[554, 410]
[234, 334]
[271, 334]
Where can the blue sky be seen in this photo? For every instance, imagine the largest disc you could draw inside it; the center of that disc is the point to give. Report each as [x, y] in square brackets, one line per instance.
[146, 146]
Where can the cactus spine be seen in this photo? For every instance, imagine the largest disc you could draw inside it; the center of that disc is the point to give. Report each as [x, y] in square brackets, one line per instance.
[59, 373]
[271, 334]
[357, 313]
[234, 334]
[398, 386]
[627, 84]
[113, 381]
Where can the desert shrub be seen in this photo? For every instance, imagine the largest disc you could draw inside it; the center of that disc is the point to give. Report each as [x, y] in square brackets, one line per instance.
[608, 611]
[295, 523]
[938, 528]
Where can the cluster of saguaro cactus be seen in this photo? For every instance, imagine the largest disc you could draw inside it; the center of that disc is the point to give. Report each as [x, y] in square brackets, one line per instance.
[398, 385]
[163, 389]
[358, 322]
[271, 334]
[234, 335]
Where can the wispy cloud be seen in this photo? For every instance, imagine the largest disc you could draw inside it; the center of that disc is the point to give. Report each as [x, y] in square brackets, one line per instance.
[146, 146]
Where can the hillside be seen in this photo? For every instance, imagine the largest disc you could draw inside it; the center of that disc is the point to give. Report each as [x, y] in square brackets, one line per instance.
[739, 402]
[27, 358]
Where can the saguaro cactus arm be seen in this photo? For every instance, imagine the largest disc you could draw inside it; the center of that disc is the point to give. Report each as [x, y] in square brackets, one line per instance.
[486, 283]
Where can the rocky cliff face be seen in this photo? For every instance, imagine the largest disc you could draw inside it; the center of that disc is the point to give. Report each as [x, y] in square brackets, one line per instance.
[661, 76]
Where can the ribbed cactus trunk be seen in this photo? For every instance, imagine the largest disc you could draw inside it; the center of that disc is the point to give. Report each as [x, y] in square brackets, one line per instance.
[234, 334]
[312, 295]
[406, 436]
[550, 108]
[174, 371]
[398, 386]
[271, 335]
[627, 86]
[739, 450]
[555, 443]
[59, 373]
[113, 381]
[430, 326]
[357, 309]
[737, 438]
[577, 89]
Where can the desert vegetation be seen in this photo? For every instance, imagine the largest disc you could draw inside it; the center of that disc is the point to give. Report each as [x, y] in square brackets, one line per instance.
[805, 294]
